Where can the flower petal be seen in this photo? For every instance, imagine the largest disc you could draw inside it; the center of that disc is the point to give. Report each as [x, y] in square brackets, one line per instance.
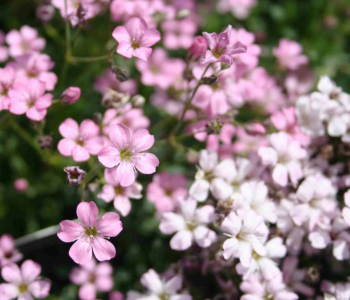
[30, 271]
[70, 231]
[69, 129]
[126, 174]
[146, 163]
[109, 156]
[141, 140]
[120, 136]
[81, 251]
[109, 224]
[87, 213]
[103, 249]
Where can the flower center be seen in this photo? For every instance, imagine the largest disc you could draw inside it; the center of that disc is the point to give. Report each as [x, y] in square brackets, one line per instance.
[125, 154]
[91, 231]
[22, 288]
[135, 44]
[80, 142]
[119, 190]
[191, 225]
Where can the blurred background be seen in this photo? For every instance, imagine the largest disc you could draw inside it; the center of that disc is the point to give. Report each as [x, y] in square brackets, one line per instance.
[321, 26]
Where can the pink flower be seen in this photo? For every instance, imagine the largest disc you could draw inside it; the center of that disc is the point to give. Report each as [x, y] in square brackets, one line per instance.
[166, 190]
[24, 41]
[91, 235]
[92, 278]
[289, 54]
[7, 78]
[35, 65]
[71, 95]
[135, 39]
[198, 47]
[21, 184]
[179, 33]
[160, 70]
[239, 8]
[220, 48]
[120, 195]
[23, 282]
[189, 226]
[116, 295]
[8, 252]
[126, 153]
[79, 142]
[29, 98]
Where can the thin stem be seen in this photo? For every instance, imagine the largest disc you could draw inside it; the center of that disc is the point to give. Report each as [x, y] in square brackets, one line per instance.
[38, 235]
[188, 103]
[89, 176]
[68, 31]
[87, 59]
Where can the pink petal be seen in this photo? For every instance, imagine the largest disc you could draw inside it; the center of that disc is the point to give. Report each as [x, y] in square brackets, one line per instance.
[70, 231]
[120, 136]
[93, 145]
[87, 291]
[65, 147]
[104, 283]
[69, 129]
[107, 194]
[142, 53]
[88, 129]
[146, 163]
[11, 273]
[8, 291]
[109, 224]
[36, 115]
[125, 173]
[81, 251]
[122, 204]
[150, 37]
[44, 101]
[181, 240]
[121, 34]
[18, 107]
[136, 28]
[30, 271]
[87, 213]
[141, 140]
[79, 153]
[125, 49]
[103, 249]
[109, 156]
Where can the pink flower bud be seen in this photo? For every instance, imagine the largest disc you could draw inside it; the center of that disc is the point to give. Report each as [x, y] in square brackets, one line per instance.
[198, 47]
[71, 95]
[21, 184]
[255, 129]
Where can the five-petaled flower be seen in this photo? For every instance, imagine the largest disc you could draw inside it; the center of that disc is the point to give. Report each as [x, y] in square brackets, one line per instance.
[126, 153]
[135, 39]
[90, 236]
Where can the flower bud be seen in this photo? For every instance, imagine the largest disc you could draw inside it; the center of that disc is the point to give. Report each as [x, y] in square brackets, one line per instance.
[45, 12]
[198, 47]
[182, 14]
[70, 95]
[75, 175]
[45, 141]
[114, 99]
[209, 80]
[122, 75]
[21, 184]
[213, 127]
[138, 101]
[255, 129]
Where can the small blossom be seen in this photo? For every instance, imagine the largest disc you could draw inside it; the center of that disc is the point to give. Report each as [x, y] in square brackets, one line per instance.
[289, 54]
[136, 39]
[21, 184]
[70, 95]
[198, 47]
[79, 142]
[75, 175]
[90, 236]
[127, 153]
[158, 288]
[23, 282]
[45, 141]
[24, 41]
[220, 48]
[8, 252]
[92, 277]
[189, 226]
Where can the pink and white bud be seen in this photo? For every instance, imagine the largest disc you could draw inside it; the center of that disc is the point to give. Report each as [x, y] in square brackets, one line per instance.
[70, 95]
[198, 47]
[45, 12]
[255, 129]
[21, 184]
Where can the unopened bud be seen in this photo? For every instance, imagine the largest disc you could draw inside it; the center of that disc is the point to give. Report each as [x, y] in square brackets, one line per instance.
[71, 95]
[182, 14]
[75, 175]
[97, 117]
[214, 127]
[122, 74]
[45, 141]
[21, 184]
[45, 12]
[114, 99]
[198, 47]
[138, 101]
[209, 80]
[255, 129]
[225, 66]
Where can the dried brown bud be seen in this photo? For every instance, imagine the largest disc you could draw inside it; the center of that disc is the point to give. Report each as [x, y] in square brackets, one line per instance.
[214, 127]
[122, 74]
[75, 175]
[209, 80]
[45, 141]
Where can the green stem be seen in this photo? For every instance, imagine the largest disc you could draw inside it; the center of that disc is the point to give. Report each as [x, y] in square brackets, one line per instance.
[87, 59]
[89, 176]
[188, 103]
[68, 32]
